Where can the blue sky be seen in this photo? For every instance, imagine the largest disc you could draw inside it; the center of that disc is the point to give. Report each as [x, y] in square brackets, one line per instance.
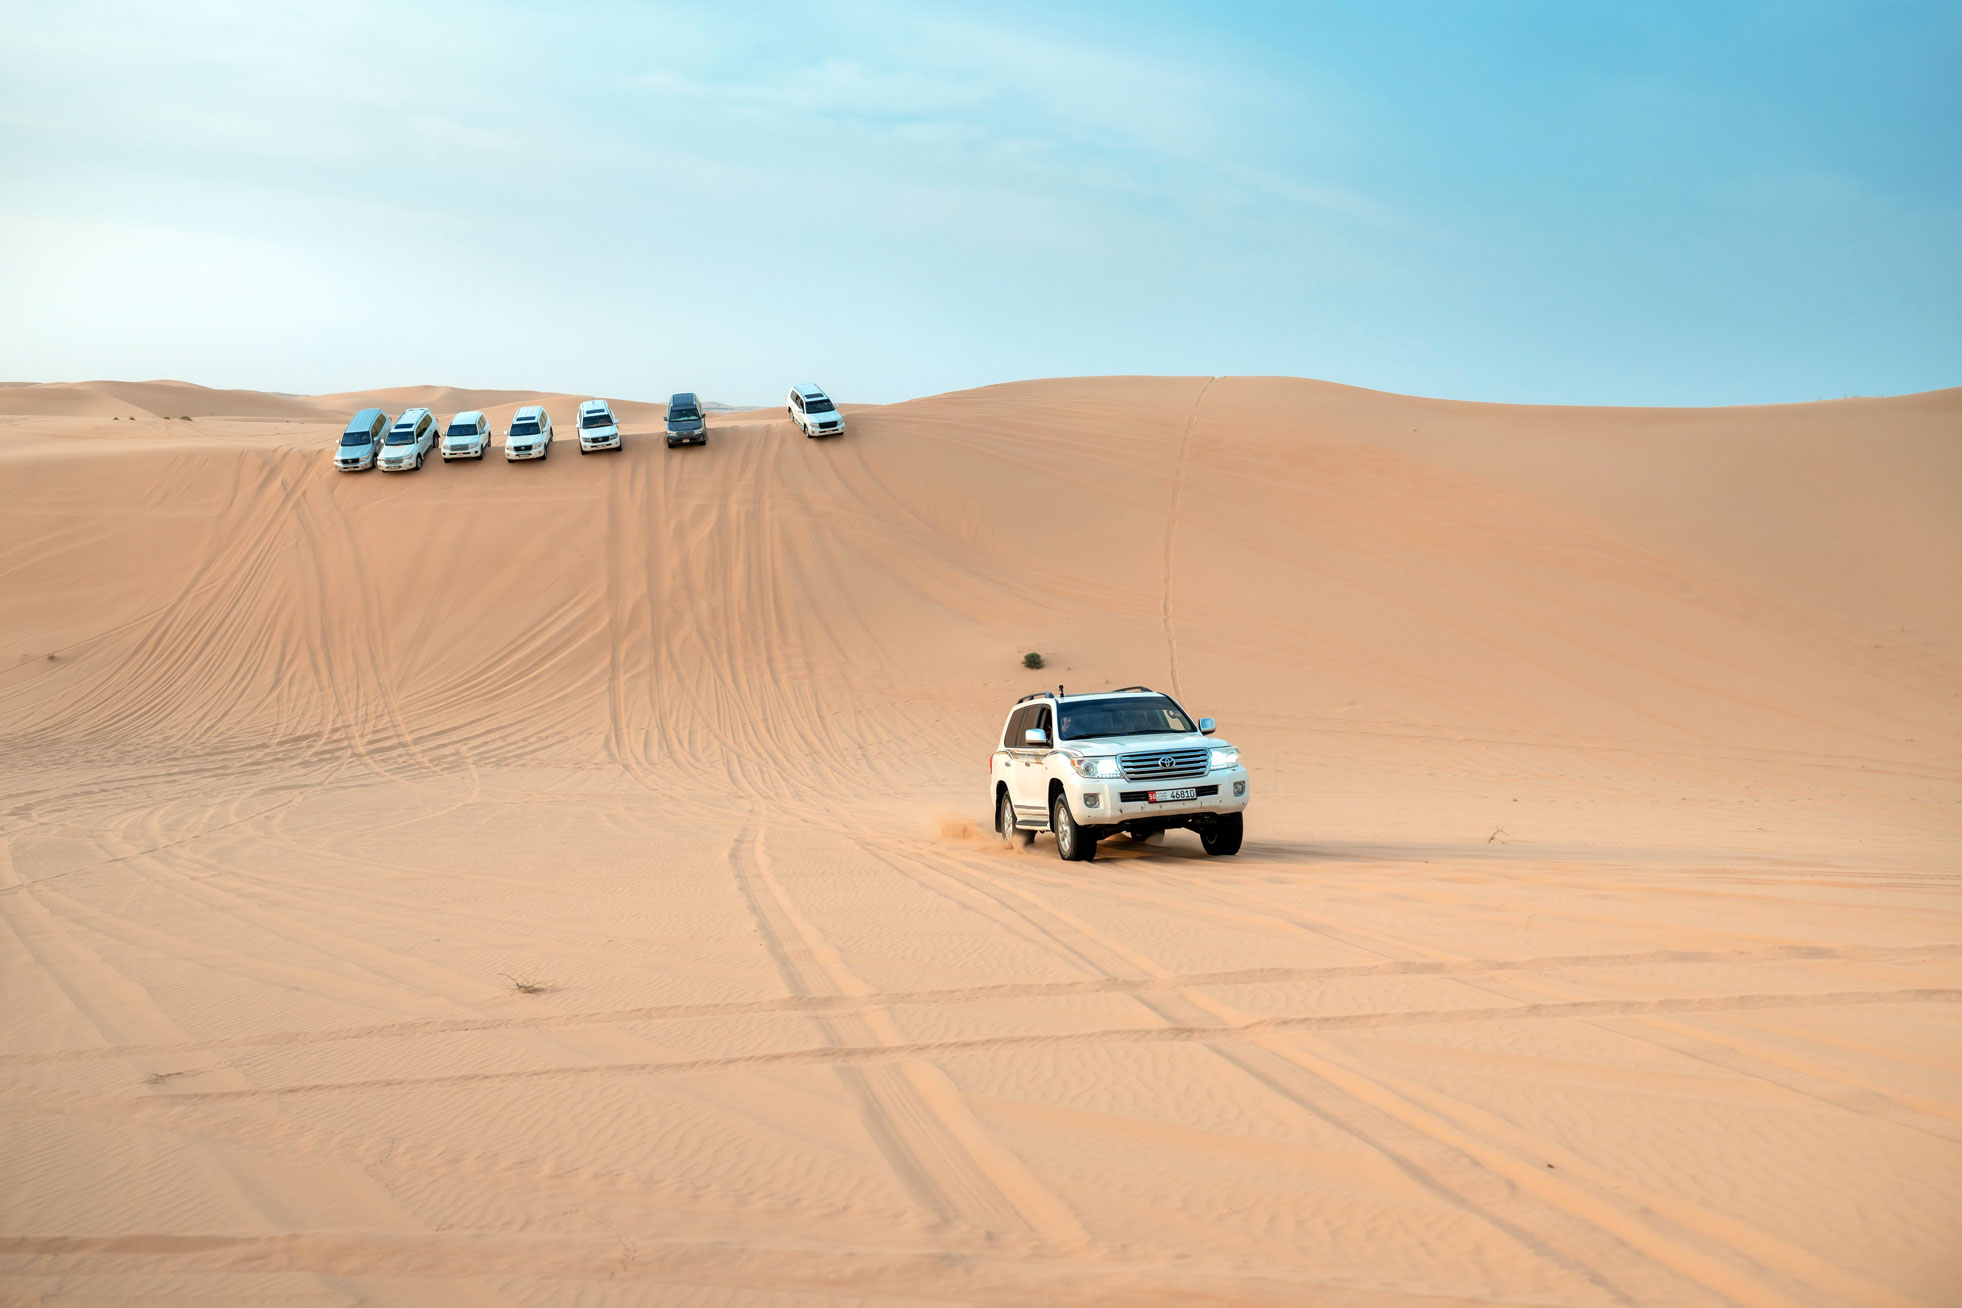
[1541, 202]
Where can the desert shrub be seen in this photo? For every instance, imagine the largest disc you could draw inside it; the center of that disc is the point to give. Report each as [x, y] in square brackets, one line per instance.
[1032, 660]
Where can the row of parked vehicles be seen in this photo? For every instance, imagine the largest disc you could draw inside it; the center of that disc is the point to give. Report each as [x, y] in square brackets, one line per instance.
[404, 444]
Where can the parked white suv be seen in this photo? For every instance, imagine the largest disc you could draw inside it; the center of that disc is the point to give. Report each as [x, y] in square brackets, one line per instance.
[598, 428]
[1089, 766]
[530, 434]
[814, 413]
[468, 437]
[408, 442]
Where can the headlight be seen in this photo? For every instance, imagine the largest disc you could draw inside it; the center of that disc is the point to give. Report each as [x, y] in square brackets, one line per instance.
[1226, 758]
[1096, 767]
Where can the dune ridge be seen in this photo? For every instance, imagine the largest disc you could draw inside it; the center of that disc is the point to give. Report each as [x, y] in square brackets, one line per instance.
[1596, 939]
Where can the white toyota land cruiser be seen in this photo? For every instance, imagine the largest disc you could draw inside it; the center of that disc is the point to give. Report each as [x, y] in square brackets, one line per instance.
[1131, 760]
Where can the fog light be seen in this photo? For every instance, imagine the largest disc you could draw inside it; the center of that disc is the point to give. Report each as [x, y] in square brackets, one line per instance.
[1239, 789]
[1092, 801]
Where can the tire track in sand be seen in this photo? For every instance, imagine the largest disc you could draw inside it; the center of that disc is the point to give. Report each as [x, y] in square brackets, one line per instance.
[116, 1006]
[1733, 1052]
[918, 1117]
[1722, 1255]
[1172, 533]
[1581, 1220]
[891, 1050]
[1100, 985]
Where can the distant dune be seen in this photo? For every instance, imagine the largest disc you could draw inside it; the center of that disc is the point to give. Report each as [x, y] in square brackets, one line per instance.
[1596, 939]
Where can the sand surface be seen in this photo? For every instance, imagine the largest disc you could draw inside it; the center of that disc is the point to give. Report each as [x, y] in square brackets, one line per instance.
[1596, 940]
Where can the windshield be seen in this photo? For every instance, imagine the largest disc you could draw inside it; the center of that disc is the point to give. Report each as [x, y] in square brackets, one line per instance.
[355, 438]
[684, 415]
[402, 436]
[525, 428]
[463, 429]
[1139, 715]
[819, 405]
[601, 419]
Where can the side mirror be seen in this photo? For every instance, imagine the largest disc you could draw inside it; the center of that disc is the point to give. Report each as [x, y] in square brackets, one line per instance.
[1035, 736]
[1206, 726]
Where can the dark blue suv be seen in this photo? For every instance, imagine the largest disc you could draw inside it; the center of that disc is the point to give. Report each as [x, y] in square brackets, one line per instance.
[687, 425]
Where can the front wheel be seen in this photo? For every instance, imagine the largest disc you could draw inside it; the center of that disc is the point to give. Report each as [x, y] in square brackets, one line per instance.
[1222, 835]
[1006, 827]
[1073, 843]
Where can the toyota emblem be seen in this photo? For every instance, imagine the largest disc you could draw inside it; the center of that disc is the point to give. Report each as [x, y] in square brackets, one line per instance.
[1166, 761]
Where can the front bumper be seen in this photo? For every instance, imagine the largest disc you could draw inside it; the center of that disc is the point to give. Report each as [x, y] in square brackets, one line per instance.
[534, 452]
[404, 465]
[463, 451]
[601, 442]
[361, 464]
[1115, 801]
[687, 438]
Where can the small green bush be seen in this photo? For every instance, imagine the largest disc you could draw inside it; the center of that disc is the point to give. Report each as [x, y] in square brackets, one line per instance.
[1032, 660]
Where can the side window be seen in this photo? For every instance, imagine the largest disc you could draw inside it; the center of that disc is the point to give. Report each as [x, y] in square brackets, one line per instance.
[375, 427]
[1012, 738]
[797, 400]
[1041, 720]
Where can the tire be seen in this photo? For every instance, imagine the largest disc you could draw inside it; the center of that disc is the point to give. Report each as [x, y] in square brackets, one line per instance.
[1222, 835]
[1006, 827]
[584, 450]
[1074, 844]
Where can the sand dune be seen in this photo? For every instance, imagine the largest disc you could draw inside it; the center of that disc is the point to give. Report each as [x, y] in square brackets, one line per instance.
[152, 399]
[1596, 939]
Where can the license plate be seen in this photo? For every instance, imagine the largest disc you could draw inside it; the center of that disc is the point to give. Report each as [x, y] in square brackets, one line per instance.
[1167, 796]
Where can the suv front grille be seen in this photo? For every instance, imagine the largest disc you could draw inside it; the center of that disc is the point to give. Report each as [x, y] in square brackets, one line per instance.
[1166, 765]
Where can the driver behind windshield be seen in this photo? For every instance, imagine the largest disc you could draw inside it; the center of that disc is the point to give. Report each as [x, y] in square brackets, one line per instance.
[1144, 716]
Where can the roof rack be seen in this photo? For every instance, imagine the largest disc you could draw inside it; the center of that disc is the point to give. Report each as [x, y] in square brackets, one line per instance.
[1121, 689]
[1040, 694]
